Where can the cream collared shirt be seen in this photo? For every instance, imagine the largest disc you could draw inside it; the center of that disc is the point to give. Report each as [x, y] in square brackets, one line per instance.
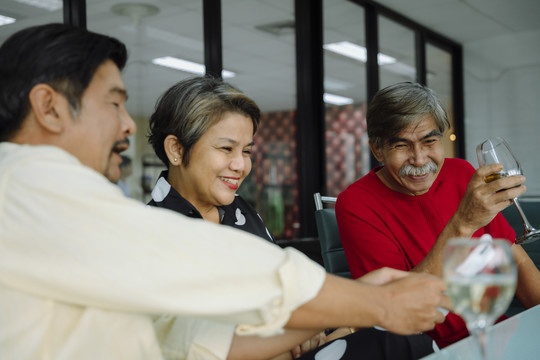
[84, 269]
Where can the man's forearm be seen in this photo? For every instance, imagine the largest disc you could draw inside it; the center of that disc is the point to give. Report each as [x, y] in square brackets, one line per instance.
[528, 286]
[432, 262]
[341, 302]
[407, 305]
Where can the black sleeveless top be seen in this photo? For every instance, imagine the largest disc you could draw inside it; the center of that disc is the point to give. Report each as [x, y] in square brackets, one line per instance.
[239, 214]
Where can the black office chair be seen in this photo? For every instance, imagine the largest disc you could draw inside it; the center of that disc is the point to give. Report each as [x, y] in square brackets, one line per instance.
[332, 252]
[531, 208]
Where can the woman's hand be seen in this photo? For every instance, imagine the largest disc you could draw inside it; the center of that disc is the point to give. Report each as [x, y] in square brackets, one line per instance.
[339, 333]
[308, 345]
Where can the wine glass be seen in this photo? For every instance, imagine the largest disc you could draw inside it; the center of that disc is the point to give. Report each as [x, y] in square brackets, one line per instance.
[481, 278]
[497, 151]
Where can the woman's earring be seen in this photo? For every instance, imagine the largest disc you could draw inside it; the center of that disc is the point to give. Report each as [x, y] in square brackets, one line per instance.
[174, 159]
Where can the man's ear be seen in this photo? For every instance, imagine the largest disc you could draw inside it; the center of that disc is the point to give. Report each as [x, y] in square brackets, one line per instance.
[377, 151]
[48, 106]
[173, 149]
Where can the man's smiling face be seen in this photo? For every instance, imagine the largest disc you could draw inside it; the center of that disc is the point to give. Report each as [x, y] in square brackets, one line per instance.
[98, 134]
[413, 159]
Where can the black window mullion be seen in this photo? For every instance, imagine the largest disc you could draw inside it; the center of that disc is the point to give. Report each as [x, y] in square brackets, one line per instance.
[311, 162]
[372, 64]
[75, 13]
[458, 101]
[420, 57]
[213, 43]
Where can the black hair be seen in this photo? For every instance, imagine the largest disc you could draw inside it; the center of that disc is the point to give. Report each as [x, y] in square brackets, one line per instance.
[60, 55]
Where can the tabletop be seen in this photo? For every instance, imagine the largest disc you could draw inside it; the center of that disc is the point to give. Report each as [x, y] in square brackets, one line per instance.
[517, 337]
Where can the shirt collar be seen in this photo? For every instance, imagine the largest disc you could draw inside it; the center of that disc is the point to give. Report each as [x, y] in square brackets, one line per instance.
[165, 196]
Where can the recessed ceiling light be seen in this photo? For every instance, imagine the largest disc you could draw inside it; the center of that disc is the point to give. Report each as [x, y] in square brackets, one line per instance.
[279, 28]
[51, 5]
[357, 52]
[188, 66]
[336, 99]
[5, 20]
[336, 85]
[136, 11]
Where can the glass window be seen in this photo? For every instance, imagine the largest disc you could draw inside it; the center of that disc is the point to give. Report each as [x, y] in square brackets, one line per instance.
[396, 53]
[259, 47]
[439, 78]
[177, 32]
[347, 149]
[17, 15]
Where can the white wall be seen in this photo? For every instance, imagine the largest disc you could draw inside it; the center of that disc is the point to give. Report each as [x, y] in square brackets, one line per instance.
[504, 101]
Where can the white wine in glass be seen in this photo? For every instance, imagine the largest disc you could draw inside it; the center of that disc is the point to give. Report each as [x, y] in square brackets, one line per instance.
[497, 151]
[481, 278]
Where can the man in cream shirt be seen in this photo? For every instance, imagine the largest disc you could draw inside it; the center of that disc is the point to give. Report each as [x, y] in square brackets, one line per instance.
[83, 269]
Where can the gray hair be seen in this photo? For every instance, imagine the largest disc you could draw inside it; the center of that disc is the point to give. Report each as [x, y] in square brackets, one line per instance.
[398, 106]
[189, 108]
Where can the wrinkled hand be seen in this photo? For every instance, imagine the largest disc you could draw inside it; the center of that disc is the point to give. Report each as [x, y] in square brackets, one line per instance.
[308, 345]
[482, 201]
[412, 302]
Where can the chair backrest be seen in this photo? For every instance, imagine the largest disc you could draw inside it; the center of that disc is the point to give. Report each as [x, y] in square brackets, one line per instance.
[332, 252]
[531, 208]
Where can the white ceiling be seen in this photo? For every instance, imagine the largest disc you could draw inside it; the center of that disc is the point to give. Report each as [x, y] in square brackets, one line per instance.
[505, 33]
[501, 32]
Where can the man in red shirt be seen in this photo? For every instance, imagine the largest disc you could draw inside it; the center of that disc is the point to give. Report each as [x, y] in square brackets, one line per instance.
[401, 214]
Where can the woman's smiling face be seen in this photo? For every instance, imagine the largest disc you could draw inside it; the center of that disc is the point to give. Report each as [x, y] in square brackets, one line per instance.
[218, 163]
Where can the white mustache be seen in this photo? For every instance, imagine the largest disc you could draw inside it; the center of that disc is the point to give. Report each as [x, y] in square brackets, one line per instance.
[410, 170]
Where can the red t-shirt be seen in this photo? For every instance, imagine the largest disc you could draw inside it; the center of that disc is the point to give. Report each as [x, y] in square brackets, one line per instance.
[380, 227]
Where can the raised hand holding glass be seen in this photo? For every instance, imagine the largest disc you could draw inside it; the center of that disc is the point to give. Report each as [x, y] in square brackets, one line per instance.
[497, 151]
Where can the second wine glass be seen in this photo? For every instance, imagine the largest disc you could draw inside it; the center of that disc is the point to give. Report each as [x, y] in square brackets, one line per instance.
[481, 277]
[497, 151]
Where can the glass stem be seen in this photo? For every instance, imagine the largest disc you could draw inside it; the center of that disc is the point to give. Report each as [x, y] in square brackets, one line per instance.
[481, 337]
[526, 224]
